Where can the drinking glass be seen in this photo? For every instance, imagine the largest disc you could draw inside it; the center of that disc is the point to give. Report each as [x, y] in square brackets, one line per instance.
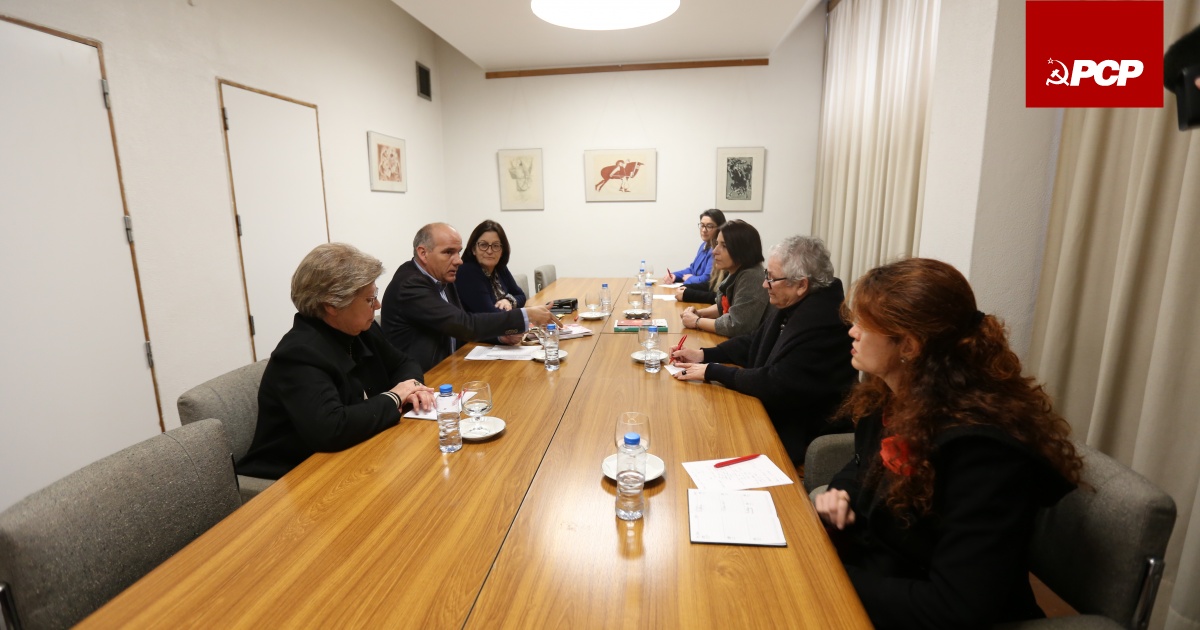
[592, 300]
[645, 343]
[477, 405]
[633, 422]
[649, 271]
[635, 297]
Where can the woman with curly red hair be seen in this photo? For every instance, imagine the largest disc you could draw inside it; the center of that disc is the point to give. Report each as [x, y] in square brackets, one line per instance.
[955, 451]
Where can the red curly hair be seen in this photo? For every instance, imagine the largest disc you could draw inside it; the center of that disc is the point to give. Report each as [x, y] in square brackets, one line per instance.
[964, 373]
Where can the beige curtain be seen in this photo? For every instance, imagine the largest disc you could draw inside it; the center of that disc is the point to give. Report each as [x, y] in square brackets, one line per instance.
[871, 156]
[1117, 327]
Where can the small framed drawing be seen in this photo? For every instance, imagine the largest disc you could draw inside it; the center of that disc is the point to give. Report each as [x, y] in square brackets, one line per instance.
[388, 162]
[620, 175]
[520, 179]
[740, 179]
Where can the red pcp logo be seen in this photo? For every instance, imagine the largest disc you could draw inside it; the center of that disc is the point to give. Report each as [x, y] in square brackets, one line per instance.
[1093, 53]
[1119, 72]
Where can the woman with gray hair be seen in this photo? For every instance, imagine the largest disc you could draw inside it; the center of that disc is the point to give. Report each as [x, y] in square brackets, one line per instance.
[797, 362]
[334, 380]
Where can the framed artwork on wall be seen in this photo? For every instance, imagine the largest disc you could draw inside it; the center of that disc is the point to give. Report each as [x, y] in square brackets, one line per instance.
[620, 175]
[520, 179]
[388, 163]
[740, 179]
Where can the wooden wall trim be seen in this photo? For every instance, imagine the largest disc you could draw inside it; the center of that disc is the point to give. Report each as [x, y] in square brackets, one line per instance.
[628, 67]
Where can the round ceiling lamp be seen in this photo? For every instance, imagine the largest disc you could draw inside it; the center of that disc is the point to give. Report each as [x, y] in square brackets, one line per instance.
[603, 15]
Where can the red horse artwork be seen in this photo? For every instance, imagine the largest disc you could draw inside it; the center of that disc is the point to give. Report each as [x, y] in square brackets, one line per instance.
[622, 171]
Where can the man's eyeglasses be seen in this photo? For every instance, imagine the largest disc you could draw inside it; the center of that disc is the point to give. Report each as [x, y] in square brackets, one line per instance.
[707, 227]
[489, 247]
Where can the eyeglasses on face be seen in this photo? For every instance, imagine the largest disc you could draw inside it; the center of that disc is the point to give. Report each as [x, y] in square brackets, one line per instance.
[707, 227]
[489, 247]
[771, 281]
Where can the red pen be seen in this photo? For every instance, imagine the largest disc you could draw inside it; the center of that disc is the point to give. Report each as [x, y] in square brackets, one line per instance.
[677, 349]
[736, 460]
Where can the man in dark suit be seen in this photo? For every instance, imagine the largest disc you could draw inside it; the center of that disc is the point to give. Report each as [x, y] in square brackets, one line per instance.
[798, 360]
[422, 315]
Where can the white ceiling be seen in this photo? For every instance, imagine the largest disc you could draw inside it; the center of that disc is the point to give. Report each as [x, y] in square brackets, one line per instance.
[505, 35]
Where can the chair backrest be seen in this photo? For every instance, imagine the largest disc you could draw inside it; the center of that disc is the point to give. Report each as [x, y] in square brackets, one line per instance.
[231, 398]
[523, 282]
[1102, 550]
[826, 456]
[543, 277]
[69, 548]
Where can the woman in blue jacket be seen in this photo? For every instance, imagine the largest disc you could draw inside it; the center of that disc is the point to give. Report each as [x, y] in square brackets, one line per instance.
[699, 271]
[484, 283]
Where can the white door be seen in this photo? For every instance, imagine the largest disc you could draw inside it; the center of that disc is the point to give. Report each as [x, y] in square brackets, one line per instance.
[76, 382]
[279, 197]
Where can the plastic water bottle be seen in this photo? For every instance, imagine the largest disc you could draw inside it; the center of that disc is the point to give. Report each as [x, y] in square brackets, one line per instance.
[605, 298]
[631, 478]
[653, 360]
[647, 298]
[642, 274]
[449, 439]
[551, 347]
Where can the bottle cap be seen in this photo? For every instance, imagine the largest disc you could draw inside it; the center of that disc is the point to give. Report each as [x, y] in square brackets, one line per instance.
[632, 439]
[653, 329]
[551, 327]
[446, 390]
[604, 284]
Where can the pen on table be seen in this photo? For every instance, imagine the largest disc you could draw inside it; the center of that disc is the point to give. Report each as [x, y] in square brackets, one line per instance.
[677, 349]
[736, 460]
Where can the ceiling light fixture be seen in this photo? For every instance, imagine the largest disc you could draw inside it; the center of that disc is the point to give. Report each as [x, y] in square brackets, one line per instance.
[603, 15]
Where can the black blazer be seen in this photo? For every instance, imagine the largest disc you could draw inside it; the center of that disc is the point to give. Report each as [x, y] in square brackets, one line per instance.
[475, 289]
[311, 398]
[420, 323]
[797, 362]
[965, 565]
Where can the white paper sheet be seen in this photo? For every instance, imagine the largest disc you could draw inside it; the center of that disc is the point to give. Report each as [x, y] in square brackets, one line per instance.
[665, 297]
[734, 518]
[502, 353]
[759, 472]
[675, 285]
[432, 413]
[672, 370]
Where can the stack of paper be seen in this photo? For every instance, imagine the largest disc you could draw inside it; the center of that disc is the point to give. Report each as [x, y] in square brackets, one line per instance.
[759, 472]
[734, 518]
[573, 331]
[502, 353]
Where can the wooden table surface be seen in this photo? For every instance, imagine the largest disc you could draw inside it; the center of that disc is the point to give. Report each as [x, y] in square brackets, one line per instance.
[514, 532]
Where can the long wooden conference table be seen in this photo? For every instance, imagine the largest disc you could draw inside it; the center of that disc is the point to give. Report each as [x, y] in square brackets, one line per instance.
[515, 532]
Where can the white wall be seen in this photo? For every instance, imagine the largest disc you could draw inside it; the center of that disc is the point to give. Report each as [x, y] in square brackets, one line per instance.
[990, 169]
[354, 59]
[684, 114]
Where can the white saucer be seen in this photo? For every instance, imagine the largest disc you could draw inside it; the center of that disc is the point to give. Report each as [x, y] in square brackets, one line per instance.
[540, 355]
[593, 315]
[651, 281]
[487, 427]
[654, 467]
[640, 355]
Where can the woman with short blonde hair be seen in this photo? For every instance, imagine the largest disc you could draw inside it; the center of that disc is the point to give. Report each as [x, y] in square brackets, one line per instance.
[334, 380]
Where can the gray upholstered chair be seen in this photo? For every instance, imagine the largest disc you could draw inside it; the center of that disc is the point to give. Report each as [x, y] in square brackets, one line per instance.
[1100, 548]
[231, 398]
[1102, 551]
[543, 277]
[826, 456]
[69, 548]
[523, 282]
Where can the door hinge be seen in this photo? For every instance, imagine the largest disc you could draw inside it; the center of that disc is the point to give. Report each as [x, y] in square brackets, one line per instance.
[225, 118]
[104, 91]
[251, 325]
[129, 229]
[149, 356]
[238, 219]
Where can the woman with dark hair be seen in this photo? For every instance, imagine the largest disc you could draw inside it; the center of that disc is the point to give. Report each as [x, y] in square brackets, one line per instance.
[955, 452]
[699, 271]
[741, 298]
[484, 282]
